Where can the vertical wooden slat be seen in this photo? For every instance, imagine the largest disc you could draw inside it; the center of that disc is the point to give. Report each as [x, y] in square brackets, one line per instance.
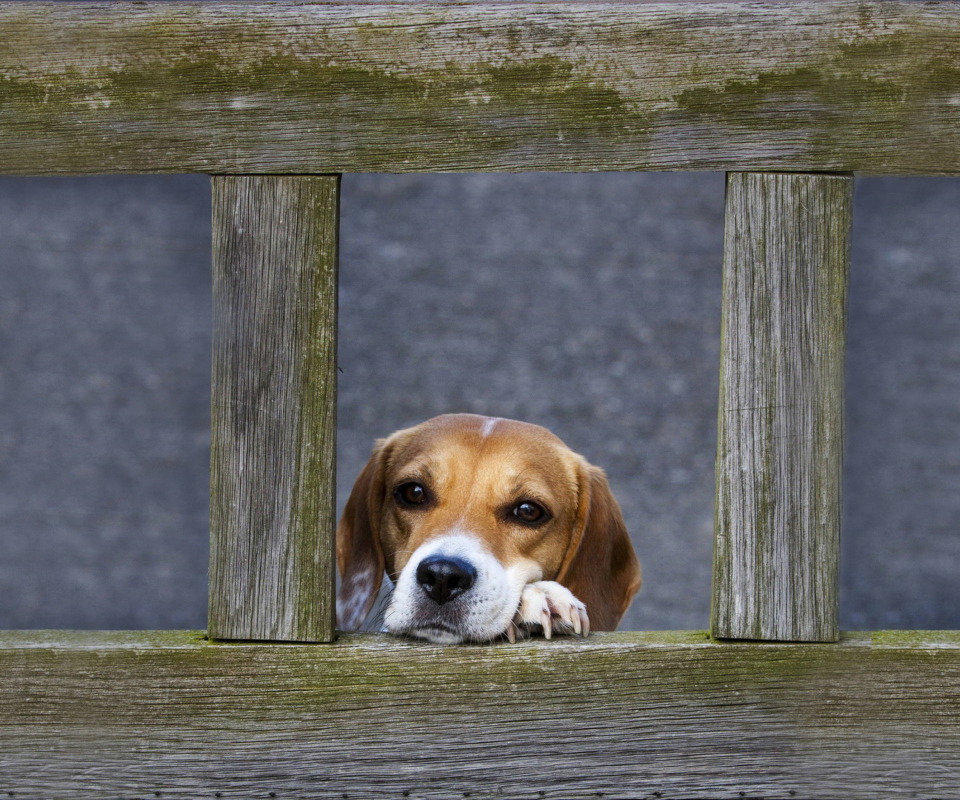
[274, 408]
[780, 445]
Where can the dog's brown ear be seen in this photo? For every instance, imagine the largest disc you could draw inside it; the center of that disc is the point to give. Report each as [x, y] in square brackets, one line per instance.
[359, 554]
[601, 567]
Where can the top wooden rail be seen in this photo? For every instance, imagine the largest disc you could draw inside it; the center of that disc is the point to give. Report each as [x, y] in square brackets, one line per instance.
[870, 87]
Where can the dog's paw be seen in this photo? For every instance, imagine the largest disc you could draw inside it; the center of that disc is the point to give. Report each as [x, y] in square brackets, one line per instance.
[550, 607]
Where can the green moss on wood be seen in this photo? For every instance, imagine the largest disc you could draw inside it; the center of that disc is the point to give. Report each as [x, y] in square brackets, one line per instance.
[226, 88]
[508, 102]
[619, 715]
[855, 81]
[101, 640]
[355, 644]
[916, 640]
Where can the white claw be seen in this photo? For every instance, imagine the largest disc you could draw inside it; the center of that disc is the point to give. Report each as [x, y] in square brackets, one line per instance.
[512, 633]
[553, 608]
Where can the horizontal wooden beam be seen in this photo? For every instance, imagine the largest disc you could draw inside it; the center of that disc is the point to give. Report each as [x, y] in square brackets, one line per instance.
[170, 714]
[836, 85]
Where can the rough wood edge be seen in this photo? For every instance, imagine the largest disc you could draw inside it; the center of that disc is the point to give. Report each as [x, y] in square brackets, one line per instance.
[68, 640]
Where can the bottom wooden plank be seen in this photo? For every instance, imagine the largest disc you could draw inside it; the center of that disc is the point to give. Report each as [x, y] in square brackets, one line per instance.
[656, 715]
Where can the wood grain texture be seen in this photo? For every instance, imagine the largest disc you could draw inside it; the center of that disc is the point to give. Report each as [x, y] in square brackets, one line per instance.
[614, 716]
[811, 85]
[780, 428]
[274, 419]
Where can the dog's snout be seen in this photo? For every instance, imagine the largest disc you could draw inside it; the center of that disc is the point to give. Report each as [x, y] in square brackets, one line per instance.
[443, 577]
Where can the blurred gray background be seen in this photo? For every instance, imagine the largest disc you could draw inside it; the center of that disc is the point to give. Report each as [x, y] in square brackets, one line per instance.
[586, 303]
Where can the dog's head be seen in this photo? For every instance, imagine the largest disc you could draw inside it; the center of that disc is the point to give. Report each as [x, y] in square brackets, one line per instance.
[462, 512]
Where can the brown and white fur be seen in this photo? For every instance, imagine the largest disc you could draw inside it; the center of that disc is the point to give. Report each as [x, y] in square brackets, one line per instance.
[490, 528]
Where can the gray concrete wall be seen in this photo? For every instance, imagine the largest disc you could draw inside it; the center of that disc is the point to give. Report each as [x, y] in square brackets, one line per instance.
[587, 303]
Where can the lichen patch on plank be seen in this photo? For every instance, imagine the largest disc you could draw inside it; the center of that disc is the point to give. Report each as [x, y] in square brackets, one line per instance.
[337, 87]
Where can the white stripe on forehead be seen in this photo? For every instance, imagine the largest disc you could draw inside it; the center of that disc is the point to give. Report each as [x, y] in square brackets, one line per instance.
[488, 426]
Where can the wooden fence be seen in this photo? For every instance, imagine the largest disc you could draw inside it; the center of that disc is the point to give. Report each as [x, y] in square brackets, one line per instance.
[275, 101]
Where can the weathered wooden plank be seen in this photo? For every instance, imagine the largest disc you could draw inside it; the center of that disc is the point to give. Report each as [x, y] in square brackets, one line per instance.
[274, 408]
[780, 429]
[836, 85]
[616, 716]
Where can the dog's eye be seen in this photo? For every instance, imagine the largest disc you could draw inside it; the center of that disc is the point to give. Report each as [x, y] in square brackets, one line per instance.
[528, 511]
[411, 494]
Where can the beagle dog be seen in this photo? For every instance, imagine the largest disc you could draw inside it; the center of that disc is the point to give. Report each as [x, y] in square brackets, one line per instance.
[489, 528]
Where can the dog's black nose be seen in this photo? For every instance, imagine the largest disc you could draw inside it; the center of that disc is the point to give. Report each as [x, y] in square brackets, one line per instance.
[444, 578]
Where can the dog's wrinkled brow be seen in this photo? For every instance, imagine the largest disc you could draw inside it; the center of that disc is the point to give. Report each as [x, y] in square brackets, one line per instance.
[416, 472]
